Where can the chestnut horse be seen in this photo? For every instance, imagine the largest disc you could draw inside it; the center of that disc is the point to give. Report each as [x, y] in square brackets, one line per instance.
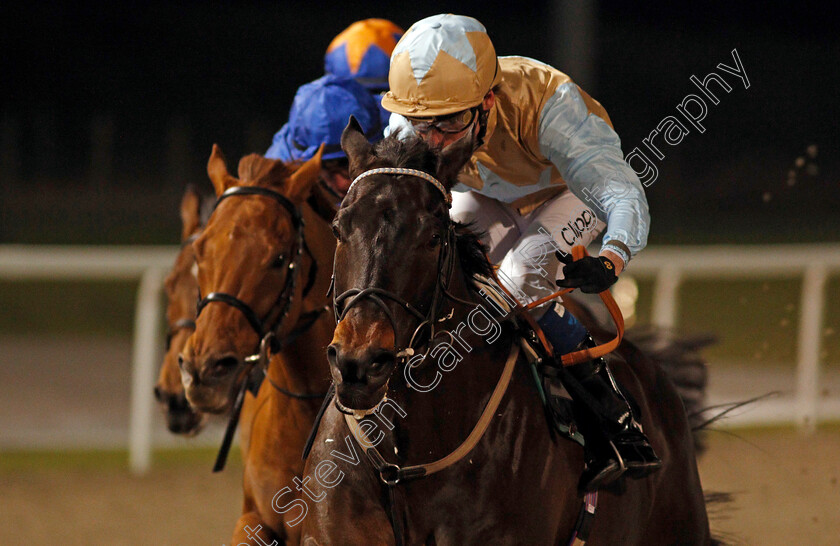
[264, 262]
[181, 295]
[403, 271]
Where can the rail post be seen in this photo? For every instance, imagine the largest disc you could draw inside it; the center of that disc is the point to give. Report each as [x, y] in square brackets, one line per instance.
[145, 356]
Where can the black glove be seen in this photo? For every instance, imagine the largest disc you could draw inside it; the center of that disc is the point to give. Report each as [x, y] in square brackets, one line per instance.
[591, 274]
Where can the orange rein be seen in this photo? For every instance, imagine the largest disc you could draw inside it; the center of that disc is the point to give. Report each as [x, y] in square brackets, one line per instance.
[576, 357]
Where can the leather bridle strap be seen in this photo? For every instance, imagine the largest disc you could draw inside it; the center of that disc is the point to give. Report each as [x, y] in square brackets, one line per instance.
[347, 299]
[177, 326]
[233, 301]
[400, 171]
[265, 192]
[291, 276]
[392, 474]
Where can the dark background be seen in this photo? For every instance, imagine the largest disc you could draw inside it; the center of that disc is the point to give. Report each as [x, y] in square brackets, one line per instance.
[109, 110]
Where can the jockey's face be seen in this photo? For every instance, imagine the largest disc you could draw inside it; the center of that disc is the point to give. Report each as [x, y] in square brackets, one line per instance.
[335, 174]
[440, 134]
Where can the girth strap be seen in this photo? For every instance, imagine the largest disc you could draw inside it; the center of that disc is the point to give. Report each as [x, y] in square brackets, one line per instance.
[586, 518]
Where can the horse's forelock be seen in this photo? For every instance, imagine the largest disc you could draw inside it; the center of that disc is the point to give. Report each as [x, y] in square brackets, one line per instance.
[256, 169]
[409, 153]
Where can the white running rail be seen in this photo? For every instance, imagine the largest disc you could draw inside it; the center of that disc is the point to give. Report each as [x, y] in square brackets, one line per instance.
[668, 265]
[813, 262]
[149, 265]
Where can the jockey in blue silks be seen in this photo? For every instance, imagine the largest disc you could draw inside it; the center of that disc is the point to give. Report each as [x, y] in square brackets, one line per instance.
[362, 51]
[319, 114]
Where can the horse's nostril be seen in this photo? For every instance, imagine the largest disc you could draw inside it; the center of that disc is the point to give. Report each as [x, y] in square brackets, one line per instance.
[181, 361]
[332, 355]
[381, 360]
[158, 394]
[178, 404]
[225, 365]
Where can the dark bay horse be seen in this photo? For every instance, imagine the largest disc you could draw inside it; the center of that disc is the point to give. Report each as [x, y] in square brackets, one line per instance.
[264, 263]
[417, 341]
[181, 288]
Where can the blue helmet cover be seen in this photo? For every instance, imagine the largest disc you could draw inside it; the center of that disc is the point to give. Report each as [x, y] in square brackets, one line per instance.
[319, 114]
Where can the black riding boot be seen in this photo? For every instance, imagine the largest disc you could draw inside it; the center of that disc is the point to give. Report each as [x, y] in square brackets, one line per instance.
[615, 440]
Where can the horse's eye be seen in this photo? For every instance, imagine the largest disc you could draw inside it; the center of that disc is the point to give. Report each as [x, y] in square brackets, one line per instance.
[435, 240]
[279, 262]
[336, 232]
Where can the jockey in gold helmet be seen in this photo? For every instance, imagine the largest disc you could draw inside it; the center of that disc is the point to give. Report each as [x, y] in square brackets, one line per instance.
[547, 173]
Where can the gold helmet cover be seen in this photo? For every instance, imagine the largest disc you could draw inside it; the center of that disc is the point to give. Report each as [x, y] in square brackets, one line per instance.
[443, 64]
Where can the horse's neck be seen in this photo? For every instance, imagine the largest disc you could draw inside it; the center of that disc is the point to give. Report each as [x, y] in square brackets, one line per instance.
[452, 408]
[321, 243]
[302, 365]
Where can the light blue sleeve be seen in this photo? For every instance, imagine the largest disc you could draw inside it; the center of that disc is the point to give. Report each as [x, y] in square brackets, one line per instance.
[587, 152]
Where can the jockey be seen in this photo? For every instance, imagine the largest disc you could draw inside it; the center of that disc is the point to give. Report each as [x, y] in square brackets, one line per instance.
[361, 52]
[542, 147]
[319, 114]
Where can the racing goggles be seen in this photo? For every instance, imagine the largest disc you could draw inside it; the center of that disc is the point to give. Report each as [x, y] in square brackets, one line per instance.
[450, 124]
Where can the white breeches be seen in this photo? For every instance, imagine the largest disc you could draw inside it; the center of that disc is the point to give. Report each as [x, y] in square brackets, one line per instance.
[524, 246]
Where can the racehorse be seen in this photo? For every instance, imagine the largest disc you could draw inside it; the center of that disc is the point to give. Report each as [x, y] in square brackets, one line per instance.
[182, 294]
[264, 262]
[439, 468]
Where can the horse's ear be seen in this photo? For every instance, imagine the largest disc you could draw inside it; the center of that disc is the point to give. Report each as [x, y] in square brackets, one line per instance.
[300, 183]
[218, 172]
[355, 145]
[452, 159]
[190, 212]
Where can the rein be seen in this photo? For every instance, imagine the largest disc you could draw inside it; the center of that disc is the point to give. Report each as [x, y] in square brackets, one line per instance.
[577, 357]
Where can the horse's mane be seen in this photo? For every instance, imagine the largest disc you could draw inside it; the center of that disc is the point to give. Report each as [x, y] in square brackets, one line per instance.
[472, 252]
[414, 153]
[256, 169]
[409, 153]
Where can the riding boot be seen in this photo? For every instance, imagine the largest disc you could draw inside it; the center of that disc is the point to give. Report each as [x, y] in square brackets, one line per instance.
[617, 444]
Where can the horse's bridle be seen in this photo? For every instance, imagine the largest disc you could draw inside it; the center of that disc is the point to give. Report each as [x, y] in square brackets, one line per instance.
[184, 323]
[274, 320]
[177, 326]
[447, 257]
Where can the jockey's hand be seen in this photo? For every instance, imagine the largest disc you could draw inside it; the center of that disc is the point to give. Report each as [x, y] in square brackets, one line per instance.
[592, 274]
